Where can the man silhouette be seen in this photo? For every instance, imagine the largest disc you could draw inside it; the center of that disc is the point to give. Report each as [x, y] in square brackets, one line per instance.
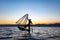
[29, 25]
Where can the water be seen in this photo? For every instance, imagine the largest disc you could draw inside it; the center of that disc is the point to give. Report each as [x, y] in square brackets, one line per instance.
[37, 33]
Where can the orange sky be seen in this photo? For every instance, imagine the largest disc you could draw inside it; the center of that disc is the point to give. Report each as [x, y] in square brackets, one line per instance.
[34, 22]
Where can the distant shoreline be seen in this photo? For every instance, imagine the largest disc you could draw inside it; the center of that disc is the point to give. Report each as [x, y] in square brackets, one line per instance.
[38, 25]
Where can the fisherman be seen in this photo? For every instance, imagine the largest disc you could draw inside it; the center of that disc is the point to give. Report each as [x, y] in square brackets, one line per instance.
[29, 25]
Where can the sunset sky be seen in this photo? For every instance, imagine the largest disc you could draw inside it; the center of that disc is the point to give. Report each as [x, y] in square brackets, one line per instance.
[40, 11]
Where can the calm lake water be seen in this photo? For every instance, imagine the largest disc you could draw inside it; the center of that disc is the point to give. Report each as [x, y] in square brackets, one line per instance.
[37, 33]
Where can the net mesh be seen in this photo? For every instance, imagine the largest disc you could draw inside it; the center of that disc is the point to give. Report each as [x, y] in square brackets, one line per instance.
[23, 20]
